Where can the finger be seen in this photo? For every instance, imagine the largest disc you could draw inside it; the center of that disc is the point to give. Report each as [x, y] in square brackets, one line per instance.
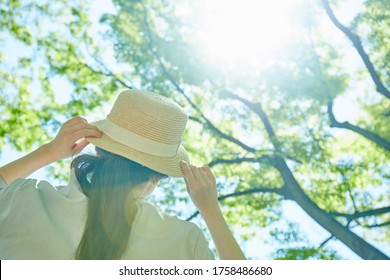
[197, 175]
[74, 120]
[94, 127]
[189, 177]
[78, 125]
[79, 146]
[68, 128]
[88, 132]
[210, 174]
[205, 175]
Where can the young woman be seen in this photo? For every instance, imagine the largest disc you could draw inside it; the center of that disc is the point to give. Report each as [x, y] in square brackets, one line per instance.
[102, 212]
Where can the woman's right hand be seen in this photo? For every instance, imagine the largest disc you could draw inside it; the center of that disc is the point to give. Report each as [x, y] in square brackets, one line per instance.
[70, 140]
[201, 186]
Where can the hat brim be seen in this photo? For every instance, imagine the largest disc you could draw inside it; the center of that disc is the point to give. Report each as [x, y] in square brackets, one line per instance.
[166, 165]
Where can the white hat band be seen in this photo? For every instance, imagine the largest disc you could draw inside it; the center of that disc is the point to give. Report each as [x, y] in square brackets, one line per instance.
[138, 142]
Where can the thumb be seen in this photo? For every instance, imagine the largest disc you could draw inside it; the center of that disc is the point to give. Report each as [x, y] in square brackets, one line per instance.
[80, 145]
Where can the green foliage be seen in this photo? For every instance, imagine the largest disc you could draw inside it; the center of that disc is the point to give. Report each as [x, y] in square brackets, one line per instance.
[304, 253]
[294, 245]
[51, 56]
[373, 25]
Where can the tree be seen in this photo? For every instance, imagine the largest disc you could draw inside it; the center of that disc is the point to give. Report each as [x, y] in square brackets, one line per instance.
[270, 133]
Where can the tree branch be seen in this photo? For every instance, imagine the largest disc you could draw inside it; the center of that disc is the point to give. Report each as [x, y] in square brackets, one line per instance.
[325, 219]
[323, 243]
[377, 225]
[349, 238]
[105, 70]
[356, 215]
[108, 73]
[280, 191]
[380, 87]
[365, 133]
[258, 110]
[262, 159]
[223, 135]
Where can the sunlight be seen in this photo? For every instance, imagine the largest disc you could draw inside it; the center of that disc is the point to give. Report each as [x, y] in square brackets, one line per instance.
[236, 32]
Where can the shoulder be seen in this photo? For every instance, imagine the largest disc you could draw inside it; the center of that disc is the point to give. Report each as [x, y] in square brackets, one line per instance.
[21, 191]
[154, 218]
[33, 188]
[23, 197]
[153, 223]
[19, 185]
[153, 228]
[29, 184]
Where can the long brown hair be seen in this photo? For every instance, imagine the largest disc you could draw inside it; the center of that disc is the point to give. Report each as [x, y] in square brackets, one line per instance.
[106, 179]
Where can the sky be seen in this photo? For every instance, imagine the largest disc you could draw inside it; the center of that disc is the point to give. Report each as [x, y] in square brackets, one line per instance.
[291, 211]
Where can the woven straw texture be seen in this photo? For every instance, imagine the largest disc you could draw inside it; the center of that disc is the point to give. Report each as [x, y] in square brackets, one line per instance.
[152, 116]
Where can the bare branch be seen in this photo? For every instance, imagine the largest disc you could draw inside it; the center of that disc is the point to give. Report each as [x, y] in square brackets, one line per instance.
[365, 133]
[380, 87]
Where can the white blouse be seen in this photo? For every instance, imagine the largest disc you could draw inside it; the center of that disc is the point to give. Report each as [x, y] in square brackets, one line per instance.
[40, 221]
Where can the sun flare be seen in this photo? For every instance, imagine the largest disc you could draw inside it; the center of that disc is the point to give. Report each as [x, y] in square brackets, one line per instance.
[236, 32]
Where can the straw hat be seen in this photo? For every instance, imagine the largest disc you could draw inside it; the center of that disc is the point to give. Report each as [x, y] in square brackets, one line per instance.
[146, 128]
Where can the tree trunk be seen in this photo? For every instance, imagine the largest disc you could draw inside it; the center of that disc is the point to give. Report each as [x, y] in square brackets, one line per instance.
[354, 242]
